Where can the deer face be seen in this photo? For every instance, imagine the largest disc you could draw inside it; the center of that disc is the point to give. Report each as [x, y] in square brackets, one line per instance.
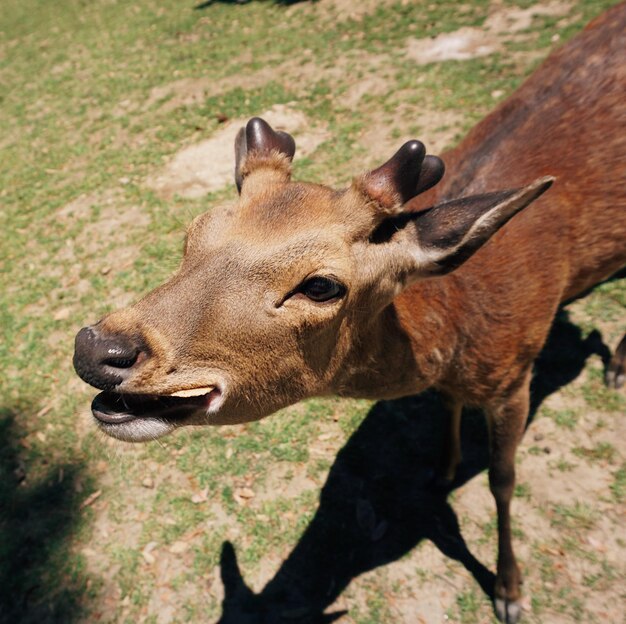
[273, 301]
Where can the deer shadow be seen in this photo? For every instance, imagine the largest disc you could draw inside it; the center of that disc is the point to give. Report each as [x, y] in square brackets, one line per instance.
[36, 519]
[377, 503]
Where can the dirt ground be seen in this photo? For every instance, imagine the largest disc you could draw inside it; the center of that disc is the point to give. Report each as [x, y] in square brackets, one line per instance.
[324, 511]
[427, 580]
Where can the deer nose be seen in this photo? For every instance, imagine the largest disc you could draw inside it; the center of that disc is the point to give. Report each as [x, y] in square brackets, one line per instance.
[104, 361]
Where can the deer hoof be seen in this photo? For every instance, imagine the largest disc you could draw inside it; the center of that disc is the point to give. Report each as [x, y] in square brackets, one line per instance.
[615, 378]
[509, 612]
[616, 371]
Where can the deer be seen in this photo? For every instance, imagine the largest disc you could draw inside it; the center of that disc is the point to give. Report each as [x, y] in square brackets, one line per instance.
[403, 281]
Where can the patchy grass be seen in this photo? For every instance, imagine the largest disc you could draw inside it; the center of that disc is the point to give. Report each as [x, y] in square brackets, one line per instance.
[96, 98]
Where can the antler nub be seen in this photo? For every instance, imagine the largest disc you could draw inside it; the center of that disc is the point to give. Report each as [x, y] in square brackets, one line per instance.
[259, 144]
[406, 174]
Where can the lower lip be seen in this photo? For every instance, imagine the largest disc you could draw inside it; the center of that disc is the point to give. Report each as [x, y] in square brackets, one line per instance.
[209, 402]
[112, 419]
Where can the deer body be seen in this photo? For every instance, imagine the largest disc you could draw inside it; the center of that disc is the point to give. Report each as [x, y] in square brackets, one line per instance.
[567, 120]
[301, 290]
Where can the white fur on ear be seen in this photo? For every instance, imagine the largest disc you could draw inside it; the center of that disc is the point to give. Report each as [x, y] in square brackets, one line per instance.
[443, 237]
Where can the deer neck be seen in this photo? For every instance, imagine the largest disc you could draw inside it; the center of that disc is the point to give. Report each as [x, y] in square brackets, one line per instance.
[405, 349]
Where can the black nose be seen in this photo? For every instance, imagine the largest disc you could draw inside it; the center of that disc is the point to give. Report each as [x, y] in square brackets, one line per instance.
[104, 361]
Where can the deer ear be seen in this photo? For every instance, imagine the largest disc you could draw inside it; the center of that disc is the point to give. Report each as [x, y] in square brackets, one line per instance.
[406, 174]
[441, 238]
[257, 145]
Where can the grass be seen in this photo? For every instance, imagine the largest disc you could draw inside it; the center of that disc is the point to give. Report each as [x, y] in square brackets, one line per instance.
[85, 119]
[576, 516]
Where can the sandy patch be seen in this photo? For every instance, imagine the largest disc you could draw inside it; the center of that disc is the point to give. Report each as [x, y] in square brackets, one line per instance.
[460, 45]
[209, 165]
[469, 42]
[514, 19]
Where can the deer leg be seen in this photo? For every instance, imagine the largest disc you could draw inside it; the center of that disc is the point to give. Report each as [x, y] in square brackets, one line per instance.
[451, 452]
[616, 372]
[506, 425]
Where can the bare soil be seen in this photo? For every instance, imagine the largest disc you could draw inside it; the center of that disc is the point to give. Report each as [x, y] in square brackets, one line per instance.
[378, 532]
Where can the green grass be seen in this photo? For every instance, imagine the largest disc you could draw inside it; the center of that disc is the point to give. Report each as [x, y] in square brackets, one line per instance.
[566, 418]
[618, 487]
[603, 451]
[80, 121]
[573, 517]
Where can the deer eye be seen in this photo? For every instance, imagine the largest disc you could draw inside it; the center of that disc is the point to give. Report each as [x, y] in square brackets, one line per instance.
[322, 289]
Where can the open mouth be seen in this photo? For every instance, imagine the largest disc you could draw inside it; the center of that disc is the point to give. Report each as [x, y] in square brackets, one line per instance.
[113, 408]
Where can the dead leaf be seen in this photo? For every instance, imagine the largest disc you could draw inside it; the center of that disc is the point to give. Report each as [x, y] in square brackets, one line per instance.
[200, 497]
[242, 495]
[90, 499]
[43, 411]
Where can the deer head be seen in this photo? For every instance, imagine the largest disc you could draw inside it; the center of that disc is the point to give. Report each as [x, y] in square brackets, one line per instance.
[285, 295]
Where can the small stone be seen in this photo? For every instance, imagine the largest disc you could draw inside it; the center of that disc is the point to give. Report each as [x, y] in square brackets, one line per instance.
[62, 314]
[105, 270]
[148, 482]
[547, 450]
[538, 437]
[146, 553]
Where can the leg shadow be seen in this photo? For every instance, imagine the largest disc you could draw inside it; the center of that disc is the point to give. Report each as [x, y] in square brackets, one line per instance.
[35, 521]
[377, 503]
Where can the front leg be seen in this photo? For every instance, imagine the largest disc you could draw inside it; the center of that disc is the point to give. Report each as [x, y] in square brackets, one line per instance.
[506, 420]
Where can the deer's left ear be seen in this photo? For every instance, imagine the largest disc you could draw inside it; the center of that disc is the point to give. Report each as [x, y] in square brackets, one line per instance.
[437, 240]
